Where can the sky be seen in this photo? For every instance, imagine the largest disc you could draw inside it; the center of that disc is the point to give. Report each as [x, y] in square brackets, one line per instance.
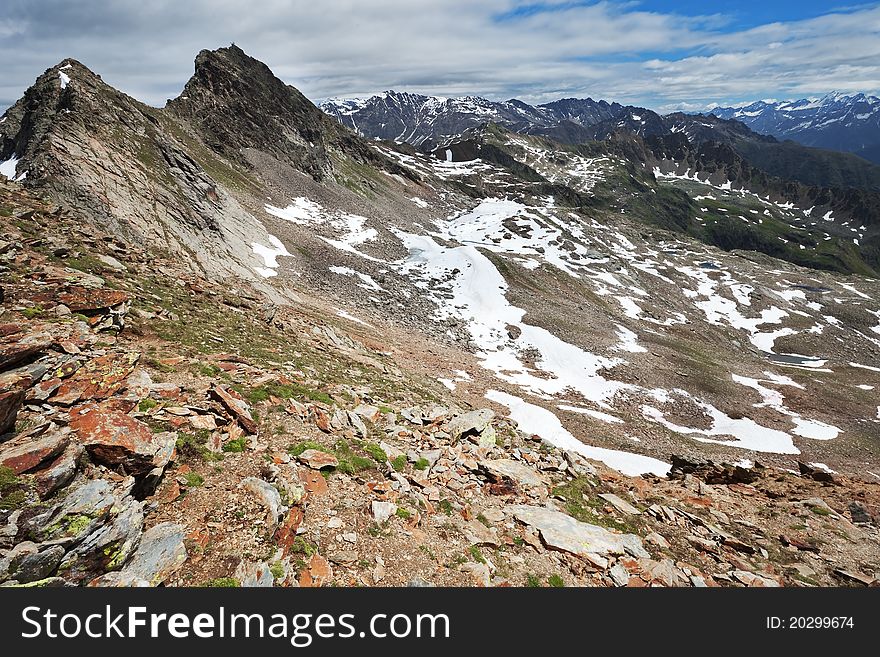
[662, 54]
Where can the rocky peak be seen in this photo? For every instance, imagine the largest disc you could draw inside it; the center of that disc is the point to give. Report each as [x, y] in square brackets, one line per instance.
[235, 102]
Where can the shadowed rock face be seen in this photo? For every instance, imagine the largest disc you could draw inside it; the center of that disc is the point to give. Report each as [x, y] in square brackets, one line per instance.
[234, 102]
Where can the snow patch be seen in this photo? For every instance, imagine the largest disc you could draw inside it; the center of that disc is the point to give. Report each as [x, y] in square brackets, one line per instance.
[538, 420]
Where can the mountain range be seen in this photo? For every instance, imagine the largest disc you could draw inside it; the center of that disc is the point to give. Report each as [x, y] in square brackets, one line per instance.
[243, 345]
[838, 123]
[843, 122]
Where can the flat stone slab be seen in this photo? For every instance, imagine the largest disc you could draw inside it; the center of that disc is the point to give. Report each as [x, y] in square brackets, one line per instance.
[562, 532]
[317, 460]
[620, 504]
[26, 452]
[519, 472]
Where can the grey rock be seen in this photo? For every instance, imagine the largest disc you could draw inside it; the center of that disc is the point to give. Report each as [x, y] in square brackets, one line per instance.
[26, 563]
[431, 456]
[382, 511]
[344, 557]
[60, 472]
[578, 464]
[859, 513]
[254, 575]
[620, 504]
[473, 422]
[418, 582]
[563, 532]
[108, 547]
[268, 496]
[619, 575]
[358, 424]
[160, 553]
[518, 472]
[80, 513]
[413, 415]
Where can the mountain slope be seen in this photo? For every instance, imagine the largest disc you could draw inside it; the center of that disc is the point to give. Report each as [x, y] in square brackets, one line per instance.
[836, 121]
[398, 365]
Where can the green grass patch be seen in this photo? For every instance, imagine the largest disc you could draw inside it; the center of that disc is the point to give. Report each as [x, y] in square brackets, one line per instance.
[285, 391]
[32, 313]
[376, 452]
[556, 581]
[299, 448]
[476, 555]
[421, 464]
[399, 463]
[236, 446]
[146, 404]
[193, 479]
[222, 583]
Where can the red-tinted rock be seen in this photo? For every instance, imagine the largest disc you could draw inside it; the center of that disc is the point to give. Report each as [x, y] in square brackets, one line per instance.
[236, 406]
[97, 379]
[115, 439]
[13, 389]
[85, 299]
[28, 450]
[20, 346]
[317, 460]
[285, 535]
[322, 419]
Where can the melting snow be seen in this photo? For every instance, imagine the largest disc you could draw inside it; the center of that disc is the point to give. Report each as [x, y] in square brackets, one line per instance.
[303, 211]
[269, 254]
[865, 367]
[352, 318]
[368, 283]
[65, 79]
[538, 420]
[628, 341]
[8, 168]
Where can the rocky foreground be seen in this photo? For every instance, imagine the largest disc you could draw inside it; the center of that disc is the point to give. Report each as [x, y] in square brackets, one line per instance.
[161, 429]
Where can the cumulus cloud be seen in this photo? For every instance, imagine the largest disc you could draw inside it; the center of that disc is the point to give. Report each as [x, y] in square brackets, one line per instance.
[536, 51]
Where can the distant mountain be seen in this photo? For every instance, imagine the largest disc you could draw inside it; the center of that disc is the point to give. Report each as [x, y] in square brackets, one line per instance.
[836, 121]
[429, 122]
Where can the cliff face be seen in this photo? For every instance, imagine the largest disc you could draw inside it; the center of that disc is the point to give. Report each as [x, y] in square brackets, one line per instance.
[234, 102]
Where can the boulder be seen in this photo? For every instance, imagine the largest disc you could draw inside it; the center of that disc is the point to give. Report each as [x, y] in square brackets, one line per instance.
[116, 439]
[562, 532]
[160, 553]
[514, 470]
[473, 422]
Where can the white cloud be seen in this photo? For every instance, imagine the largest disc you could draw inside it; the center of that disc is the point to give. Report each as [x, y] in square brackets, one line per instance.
[448, 47]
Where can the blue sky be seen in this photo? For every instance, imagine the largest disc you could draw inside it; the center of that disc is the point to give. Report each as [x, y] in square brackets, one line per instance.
[665, 54]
